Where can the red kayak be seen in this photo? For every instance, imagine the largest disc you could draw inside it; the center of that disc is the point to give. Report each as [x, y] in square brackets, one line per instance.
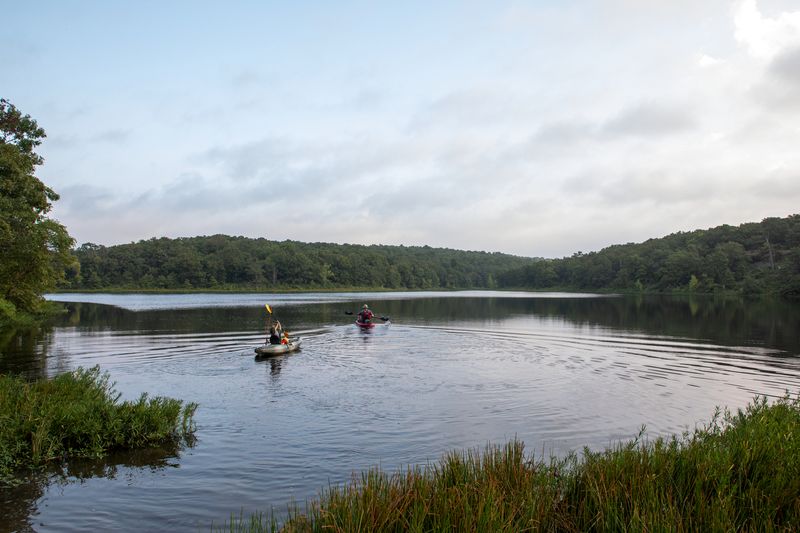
[365, 325]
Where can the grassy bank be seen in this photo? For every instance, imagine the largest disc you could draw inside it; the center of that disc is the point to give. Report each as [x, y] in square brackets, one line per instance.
[741, 472]
[79, 414]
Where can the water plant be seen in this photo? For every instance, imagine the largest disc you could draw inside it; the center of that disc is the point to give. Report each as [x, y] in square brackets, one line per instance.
[79, 414]
[740, 472]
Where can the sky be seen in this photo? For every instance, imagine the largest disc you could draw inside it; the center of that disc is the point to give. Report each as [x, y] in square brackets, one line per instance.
[537, 128]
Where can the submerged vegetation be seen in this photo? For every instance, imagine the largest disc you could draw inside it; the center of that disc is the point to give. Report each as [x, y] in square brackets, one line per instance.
[78, 414]
[741, 472]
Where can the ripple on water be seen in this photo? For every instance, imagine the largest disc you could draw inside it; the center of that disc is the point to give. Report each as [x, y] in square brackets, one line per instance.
[282, 428]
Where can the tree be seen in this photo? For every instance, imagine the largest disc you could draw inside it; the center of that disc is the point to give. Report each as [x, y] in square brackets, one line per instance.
[34, 249]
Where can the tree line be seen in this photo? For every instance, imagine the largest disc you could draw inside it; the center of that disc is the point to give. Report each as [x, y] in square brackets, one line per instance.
[753, 258]
[225, 262]
[37, 255]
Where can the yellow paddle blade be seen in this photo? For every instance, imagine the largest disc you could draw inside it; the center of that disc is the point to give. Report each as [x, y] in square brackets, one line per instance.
[268, 308]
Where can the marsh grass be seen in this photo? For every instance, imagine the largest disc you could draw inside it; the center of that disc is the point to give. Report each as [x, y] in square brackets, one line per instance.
[740, 472]
[78, 414]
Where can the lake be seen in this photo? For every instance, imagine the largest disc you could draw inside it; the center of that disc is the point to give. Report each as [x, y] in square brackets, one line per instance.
[450, 370]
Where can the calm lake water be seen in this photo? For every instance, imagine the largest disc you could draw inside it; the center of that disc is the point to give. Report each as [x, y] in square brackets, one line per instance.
[449, 371]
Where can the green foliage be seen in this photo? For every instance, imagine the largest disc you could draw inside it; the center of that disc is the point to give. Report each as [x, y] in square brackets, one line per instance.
[739, 473]
[8, 314]
[79, 414]
[754, 258]
[722, 478]
[222, 262]
[35, 249]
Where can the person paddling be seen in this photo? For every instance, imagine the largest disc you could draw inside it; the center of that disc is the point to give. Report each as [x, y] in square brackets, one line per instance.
[365, 316]
[275, 333]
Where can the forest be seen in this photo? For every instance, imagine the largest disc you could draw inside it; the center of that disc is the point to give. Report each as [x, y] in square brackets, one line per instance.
[753, 258]
[238, 263]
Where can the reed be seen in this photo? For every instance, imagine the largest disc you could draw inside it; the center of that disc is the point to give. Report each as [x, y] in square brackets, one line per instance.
[740, 472]
[79, 414]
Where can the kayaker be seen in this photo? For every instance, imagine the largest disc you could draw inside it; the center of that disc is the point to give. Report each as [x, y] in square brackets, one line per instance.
[365, 316]
[275, 333]
[285, 338]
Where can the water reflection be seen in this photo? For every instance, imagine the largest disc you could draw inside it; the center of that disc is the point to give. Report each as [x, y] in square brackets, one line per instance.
[729, 321]
[20, 504]
[275, 362]
[769, 322]
[447, 372]
[275, 366]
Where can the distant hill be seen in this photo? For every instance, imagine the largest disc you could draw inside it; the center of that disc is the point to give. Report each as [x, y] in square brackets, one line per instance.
[753, 258]
[223, 262]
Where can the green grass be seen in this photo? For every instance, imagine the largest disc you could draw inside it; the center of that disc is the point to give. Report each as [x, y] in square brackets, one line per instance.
[741, 472]
[78, 414]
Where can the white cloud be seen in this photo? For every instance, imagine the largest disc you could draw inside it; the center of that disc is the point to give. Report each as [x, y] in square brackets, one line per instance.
[765, 37]
[706, 61]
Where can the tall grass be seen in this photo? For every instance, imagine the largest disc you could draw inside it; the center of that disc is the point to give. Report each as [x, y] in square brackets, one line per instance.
[741, 472]
[79, 414]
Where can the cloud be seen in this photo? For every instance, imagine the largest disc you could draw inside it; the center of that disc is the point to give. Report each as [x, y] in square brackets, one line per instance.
[786, 66]
[71, 141]
[112, 136]
[247, 78]
[778, 89]
[780, 183]
[649, 120]
[475, 108]
[565, 132]
[544, 130]
[367, 99]
[260, 159]
[706, 61]
[90, 199]
[765, 37]
[774, 43]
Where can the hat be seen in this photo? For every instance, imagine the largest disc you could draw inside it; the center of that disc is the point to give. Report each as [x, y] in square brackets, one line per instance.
[365, 306]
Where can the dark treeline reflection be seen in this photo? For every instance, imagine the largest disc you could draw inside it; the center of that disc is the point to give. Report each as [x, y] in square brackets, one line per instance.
[772, 323]
[769, 322]
[24, 352]
[18, 503]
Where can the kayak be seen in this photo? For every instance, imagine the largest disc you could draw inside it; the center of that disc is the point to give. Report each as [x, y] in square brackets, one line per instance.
[365, 325]
[268, 350]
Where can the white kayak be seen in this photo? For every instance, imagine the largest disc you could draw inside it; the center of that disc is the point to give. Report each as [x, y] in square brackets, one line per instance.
[267, 350]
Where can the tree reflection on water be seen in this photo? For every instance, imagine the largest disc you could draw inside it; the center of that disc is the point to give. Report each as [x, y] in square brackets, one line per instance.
[19, 503]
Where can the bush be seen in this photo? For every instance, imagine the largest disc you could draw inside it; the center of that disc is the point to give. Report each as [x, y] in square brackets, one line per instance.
[79, 414]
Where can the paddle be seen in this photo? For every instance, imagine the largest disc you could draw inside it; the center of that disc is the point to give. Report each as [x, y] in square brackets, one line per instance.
[269, 324]
[384, 318]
